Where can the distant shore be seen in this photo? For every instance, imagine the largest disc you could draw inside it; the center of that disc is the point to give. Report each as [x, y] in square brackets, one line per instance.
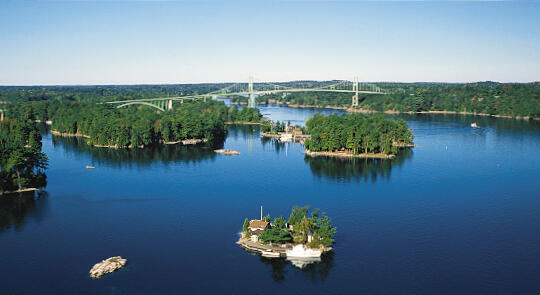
[394, 112]
[350, 155]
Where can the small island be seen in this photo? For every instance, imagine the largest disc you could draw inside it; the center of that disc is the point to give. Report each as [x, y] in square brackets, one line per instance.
[227, 152]
[356, 135]
[107, 266]
[303, 236]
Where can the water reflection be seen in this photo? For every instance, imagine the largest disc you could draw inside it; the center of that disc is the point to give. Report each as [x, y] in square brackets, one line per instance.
[16, 209]
[347, 169]
[315, 270]
[277, 145]
[139, 157]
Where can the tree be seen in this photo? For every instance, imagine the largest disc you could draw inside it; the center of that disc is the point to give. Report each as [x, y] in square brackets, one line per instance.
[245, 227]
[297, 214]
[325, 230]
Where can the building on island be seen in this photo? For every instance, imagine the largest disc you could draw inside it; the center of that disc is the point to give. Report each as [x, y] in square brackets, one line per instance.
[256, 228]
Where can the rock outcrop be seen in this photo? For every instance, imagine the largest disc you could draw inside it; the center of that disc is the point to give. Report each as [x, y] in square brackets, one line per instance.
[227, 152]
[107, 266]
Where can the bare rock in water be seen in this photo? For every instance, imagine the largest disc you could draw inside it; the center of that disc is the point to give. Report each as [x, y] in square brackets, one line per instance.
[107, 266]
[227, 152]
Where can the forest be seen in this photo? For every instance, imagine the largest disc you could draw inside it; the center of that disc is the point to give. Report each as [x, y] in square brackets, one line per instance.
[105, 125]
[506, 99]
[356, 133]
[22, 163]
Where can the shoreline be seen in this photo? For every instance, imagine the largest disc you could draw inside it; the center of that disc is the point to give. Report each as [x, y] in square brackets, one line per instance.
[243, 123]
[189, 141]
[350, 155]
[258, 247]
[58, 133]
[271, 135]
[394, 112]
[27, 189]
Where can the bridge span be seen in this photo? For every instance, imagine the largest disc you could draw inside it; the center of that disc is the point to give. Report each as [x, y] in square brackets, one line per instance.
[251, 90]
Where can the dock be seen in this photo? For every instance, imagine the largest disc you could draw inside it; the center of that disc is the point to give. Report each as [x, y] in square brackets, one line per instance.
[259, 248]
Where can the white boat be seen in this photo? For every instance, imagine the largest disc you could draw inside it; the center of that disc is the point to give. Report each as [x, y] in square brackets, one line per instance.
[473, 125]
[271, 254]
[301, 251]
[90, 167]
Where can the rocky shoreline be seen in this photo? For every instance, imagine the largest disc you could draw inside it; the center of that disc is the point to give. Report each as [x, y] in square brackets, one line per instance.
[349, 155]
[227, 152]
[26, 189]
[107, 266]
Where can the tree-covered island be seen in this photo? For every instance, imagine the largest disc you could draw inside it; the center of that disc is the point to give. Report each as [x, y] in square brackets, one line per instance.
[22, 163]
[136, 126]
[312, 230]
[356, 135]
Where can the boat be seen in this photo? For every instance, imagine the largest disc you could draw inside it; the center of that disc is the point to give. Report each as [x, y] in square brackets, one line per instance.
[90, 167]
[473, 125]
[301, 251]
[270, 254]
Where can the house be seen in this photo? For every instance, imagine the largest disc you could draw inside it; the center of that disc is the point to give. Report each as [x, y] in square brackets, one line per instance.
[256, 228]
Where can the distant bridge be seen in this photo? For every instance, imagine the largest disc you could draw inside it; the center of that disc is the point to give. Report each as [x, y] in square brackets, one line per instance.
[251, 90]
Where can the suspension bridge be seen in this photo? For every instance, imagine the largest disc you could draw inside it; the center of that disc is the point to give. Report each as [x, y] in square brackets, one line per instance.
[253, 89]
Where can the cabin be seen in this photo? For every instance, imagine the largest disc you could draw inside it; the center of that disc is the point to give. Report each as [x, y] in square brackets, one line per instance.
[257, 227]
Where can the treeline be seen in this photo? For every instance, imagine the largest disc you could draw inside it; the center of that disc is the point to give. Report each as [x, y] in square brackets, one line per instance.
[105, 125]
[22, 163]
[356, 133]
[507, 99]
[104, 92]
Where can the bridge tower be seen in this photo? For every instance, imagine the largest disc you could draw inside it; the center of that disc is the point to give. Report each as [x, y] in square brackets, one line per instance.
[355, 89]
[251, 101]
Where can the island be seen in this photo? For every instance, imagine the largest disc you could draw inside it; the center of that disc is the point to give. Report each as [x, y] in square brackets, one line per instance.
[304, 235]
[356, 135]
[105, 125]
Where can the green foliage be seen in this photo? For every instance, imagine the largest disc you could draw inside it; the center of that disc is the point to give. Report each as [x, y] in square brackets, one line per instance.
[135, 126]
[356, 133]
[324, 230]
[276, 235]
[21, 161]
[244, 115]
[266, 218]
[245, 227]
[510, 99]
[297, 214]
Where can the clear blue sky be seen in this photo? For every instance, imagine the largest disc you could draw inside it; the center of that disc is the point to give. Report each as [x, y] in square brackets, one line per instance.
[129, 42]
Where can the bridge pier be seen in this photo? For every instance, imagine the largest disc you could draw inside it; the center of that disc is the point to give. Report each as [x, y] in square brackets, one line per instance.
[355, 89]
[251, 99]
[169, 105]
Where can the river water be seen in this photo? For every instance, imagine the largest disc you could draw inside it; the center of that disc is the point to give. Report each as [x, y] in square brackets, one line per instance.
[458, 214]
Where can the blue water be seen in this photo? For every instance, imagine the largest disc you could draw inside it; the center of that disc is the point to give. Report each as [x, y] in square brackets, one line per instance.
[458, 214]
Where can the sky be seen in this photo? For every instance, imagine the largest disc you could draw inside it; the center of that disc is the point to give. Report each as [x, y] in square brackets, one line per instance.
[169, 42]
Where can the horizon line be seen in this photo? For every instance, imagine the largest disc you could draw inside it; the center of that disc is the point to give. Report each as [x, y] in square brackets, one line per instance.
[258, 82]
